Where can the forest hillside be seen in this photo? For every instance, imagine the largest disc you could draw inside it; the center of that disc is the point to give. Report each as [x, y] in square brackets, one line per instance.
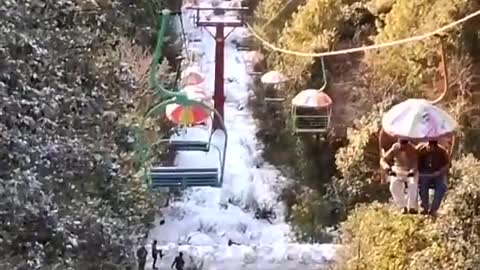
[72, 88]
[338, 178]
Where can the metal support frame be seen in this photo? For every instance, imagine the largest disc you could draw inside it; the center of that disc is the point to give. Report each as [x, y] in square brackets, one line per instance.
[220, 37]
[319, 123]
[171, 97]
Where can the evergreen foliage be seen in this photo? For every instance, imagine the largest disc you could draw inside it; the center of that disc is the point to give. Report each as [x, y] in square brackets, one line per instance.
[378, 237]
[70, 197]
[416, 63]
[375, 235]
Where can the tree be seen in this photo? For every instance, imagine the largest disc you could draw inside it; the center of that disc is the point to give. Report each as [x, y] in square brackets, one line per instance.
[69, 197]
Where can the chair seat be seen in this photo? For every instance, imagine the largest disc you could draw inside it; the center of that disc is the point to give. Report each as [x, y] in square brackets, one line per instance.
[184, 177]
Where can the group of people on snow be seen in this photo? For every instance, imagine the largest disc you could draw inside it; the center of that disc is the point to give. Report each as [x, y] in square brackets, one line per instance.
[417, 169]
[142, 253]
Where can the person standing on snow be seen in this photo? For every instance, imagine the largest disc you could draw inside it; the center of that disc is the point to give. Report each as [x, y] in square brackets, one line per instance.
[155, 253]
[142, 257]
[404, 157]
[179, 263]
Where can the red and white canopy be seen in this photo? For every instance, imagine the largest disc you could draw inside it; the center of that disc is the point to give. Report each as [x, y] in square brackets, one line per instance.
[193, 114]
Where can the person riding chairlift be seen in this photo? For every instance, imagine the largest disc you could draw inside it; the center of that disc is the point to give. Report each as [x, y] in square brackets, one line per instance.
[403, 156]
[433, 164]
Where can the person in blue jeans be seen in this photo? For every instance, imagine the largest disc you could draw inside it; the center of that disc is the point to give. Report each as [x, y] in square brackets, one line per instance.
[433, 165]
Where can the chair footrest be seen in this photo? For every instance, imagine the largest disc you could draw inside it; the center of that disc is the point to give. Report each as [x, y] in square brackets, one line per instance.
[243, 48]
[189, 146]
[178, 170]
[267, 99]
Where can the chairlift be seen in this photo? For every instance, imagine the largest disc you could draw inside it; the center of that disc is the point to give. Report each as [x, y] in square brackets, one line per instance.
[272, 81]
[314, 118]
[446, 137]
[311, 109]
[386, 140]
[179, 177]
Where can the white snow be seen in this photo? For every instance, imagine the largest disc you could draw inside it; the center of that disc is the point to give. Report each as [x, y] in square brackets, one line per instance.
[203, 221]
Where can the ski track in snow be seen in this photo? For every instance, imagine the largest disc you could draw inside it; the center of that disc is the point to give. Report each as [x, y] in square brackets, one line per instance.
[197, 224]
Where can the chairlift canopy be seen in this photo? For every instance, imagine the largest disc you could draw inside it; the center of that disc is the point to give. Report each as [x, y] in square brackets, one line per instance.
[418, 119]
[187, 115]
[312, 98]
[273, 77]
[254, 57]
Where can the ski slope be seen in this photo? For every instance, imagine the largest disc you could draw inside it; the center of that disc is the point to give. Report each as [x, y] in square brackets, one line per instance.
[203, 221]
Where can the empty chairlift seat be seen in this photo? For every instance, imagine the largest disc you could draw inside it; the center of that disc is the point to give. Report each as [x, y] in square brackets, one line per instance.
[184, 177]
[180, 177]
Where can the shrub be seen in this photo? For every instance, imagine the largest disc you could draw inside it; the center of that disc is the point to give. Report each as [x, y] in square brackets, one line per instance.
[69, 195]
[358, 162]
[308, 32]
[379, 238]
[414, 64]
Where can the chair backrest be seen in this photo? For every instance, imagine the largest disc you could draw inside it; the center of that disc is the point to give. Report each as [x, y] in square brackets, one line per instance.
[311, 120]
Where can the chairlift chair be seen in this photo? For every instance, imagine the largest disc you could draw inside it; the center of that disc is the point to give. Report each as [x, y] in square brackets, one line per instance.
[273, 81]
[306, 119]
[311, 109]
[273, 94]
[179, 177]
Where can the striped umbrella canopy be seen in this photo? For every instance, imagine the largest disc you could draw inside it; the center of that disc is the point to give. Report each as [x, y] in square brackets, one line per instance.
[312, 98]
[254, 57]
[273, 77]
[418, 119]
[192, 114]
[192, 76]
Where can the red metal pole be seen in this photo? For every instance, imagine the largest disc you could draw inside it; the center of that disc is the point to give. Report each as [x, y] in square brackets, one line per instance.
[219, 94]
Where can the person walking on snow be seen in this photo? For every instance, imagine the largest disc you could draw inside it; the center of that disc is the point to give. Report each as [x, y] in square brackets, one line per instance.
[155, 253]
[179, 263]
[142, 257]
[404, 157]
[433, 165]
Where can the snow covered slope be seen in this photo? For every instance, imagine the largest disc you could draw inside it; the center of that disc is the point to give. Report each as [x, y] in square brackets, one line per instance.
[206, 218]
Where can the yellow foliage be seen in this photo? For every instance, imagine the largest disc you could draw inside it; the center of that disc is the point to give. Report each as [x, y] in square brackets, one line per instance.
[357, 162]
[266, 10]
[378, 237]
[415, 63]
[312, 28]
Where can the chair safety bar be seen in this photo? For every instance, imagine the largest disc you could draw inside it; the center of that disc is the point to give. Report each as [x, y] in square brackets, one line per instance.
[179, 145]
[186, 145]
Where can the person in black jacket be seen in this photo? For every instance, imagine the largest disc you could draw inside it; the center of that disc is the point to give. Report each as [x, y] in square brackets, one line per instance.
[179, 263]
[155, 253]
[142, 257]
